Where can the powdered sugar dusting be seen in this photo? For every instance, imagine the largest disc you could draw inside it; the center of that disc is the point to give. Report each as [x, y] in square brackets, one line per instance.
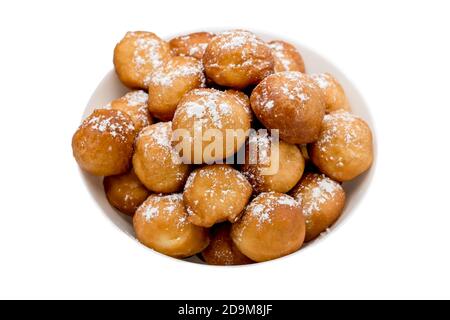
[194, 110]
[160, 135]
[163, 205]
[148, 51]
[322, 80]
[243, 42]
[199, 49]
[117, 124]
[269, 105]
[193, 44]
[294, 88]
[259, 211]
[238, 39]
[263, 144]
[209, 104]
[263, 206]
[279, 52]
[263, 100]
[150, 213]
[225, 186]
[288, 201]
[190, 180]
[171, 71]
[136, 98]
[338, 127]
[134, 104]
[321, 189]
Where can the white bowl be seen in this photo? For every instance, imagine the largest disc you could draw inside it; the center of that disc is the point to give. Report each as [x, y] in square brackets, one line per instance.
[111, 88]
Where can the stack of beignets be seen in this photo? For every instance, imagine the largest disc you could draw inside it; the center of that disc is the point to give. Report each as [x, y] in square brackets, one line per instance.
[197, 202]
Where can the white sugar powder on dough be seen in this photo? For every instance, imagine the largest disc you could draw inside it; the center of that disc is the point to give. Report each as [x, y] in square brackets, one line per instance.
[153, 209]
[147, 52]
[323, 192]
[278, 50]
[263, 211]
[115, 126]
[136, 98]
[167, 75]
[321, 80]
[340, 127]
[208, 105]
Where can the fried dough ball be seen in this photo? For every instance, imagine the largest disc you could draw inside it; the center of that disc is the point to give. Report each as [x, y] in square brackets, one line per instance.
[137, 55]
[344, 149]
[237, 59]
[210, 112]
[292, 103]
[214, 194]
[171, 82]
[334, 95]
[221, 250]
[103, 144]
[156, 163]
[322, 200]
[272, 171]
[272, 226]
[125, 192]
[134, 104]
[191, 45]
[244, 100]
[287, 58]
[161, 224]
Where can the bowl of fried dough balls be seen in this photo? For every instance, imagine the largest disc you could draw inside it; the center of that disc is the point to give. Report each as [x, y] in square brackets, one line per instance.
[206, 207]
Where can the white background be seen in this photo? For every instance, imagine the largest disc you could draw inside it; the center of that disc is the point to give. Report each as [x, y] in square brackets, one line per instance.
[54, 241]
